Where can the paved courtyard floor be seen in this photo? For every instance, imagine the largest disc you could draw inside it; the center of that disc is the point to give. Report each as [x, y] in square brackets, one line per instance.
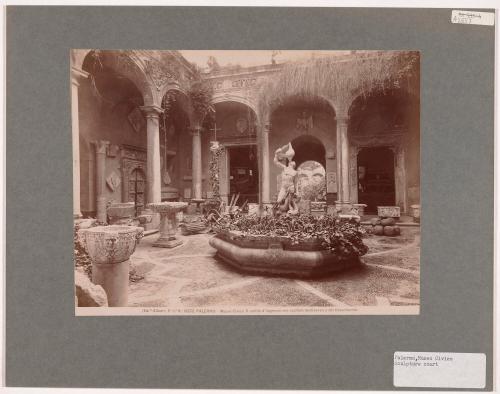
[189, 276]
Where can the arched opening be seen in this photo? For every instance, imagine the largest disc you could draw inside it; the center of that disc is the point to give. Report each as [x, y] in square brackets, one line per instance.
[109, 86]
[384, 149]
[109, 110]
[308, 123]
[376, 186]
[308, 148]
[235, 128]
[311, 182]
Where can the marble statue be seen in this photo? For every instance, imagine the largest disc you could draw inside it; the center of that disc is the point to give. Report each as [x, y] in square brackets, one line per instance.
[286, 197]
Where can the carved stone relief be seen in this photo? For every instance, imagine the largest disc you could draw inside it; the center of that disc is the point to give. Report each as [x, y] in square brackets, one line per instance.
[160, 73]
[133, 159]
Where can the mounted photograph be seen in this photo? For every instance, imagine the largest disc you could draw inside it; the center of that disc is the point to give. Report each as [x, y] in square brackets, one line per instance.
[246, 182]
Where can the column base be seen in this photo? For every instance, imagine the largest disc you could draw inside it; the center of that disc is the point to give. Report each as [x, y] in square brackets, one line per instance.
[343, 207]
[167, 243]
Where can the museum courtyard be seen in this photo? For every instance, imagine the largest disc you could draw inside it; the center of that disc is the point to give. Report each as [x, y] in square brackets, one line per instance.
[191, 277]
[288, 183]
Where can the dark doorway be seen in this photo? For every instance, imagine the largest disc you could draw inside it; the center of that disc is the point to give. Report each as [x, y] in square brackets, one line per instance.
[137, 189]
[244, 173]
[376, 185]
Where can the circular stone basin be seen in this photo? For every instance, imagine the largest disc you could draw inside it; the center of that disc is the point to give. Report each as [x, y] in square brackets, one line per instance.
[264, 255]
[167, 206]
[110, 244]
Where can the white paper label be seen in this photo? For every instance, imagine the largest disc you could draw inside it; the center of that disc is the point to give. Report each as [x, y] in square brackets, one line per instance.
[473, 17]
[449, 370]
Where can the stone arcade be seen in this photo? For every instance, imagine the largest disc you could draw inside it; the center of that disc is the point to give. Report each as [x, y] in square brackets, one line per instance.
[137, 139]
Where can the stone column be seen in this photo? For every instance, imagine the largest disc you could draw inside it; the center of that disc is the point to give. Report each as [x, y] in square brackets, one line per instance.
[76, 76]
[266, 178]
[342, 161]
[196, 163]
[153, 167]
[100, 159]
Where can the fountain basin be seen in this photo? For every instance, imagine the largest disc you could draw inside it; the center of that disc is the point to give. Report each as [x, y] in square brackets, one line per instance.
[168, 222]
[264, 255]
[110, 244]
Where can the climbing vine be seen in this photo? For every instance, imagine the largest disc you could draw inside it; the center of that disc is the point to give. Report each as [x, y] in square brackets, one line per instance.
[214, 170]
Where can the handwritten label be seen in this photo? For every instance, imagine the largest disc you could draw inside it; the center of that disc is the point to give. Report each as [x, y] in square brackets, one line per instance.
[473, 17]
[443, 370]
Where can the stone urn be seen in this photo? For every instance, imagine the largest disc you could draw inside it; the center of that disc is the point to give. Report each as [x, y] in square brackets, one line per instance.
[110, 248]
[415, 213]
[121, 213]
[168, 222]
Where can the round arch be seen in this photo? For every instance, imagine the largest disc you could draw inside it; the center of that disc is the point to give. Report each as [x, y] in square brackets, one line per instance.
[308, 148]
[218, 99]
[303, 99]
[385, 123]
[123, 63]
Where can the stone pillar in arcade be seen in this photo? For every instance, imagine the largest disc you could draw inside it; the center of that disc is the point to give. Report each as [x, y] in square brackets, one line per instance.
[77, 76]
[343, 202]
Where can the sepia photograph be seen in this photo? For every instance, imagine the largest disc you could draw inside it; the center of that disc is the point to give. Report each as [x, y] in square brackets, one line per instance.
[246, 182]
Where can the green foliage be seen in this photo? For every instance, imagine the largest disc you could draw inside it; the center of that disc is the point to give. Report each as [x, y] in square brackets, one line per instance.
[343, 237]
[214, 171]
[200, 95]
[80, 256]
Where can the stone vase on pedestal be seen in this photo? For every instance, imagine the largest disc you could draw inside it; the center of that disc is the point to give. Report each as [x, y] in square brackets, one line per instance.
[121, 213]
[168, 222]
[110, 248]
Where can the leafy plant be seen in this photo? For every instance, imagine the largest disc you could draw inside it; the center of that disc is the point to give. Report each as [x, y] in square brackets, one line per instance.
[214, 171]
[343, 237]
[200, 96]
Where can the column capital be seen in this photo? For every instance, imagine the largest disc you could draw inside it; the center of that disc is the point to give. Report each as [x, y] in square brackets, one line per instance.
[196, 130]
[100, 146]
[77, 75]
[151, 111]
[267, 127]
[342, 119]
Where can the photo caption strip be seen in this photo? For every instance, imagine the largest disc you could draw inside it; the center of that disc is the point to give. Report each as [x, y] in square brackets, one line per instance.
[473, 17]
[440, 370]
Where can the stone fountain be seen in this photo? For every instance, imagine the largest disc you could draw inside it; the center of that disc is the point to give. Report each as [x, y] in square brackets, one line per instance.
[168, 222]
[110, 248]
